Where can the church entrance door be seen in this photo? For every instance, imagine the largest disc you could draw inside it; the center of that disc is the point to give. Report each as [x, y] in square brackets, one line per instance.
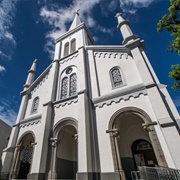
[143, 154]
[24, 170]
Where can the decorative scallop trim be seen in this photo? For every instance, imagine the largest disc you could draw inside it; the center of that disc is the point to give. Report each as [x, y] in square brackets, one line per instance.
[65, 103]
[110, 55]
[30, 123]
[40, 83]
[69, 58]
[120, 98]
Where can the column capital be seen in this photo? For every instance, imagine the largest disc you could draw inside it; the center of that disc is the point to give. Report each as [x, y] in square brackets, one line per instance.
[55, 141]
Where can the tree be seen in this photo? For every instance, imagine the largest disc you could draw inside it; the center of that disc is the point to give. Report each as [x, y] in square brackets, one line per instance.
[171, 23]
[175, 74]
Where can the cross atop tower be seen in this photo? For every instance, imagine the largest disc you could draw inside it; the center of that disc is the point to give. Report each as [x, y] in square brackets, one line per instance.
[77, 12]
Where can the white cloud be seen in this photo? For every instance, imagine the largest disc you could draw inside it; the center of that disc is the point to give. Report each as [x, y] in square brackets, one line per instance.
[2, 68]
[7, 114]
[7, 9]
[131, 6]
[58, 17]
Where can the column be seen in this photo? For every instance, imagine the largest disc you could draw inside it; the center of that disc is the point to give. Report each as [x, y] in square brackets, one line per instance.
[52, 173]
[14, 172]
[155, 143]
[115, 135]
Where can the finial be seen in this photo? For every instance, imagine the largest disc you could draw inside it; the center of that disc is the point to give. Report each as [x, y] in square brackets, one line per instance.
[118, 14]
[35, 60]
[77, 12]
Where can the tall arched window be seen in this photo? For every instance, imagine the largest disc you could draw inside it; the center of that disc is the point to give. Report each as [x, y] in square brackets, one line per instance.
[68, 83]
[73, 84]
[116, 77]
[66, 49]
[64, 88]
[73, 45]
[35, 105]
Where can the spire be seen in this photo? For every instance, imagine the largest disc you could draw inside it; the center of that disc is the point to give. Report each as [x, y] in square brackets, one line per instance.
[124, 28]
[76, 20]
[31, 74]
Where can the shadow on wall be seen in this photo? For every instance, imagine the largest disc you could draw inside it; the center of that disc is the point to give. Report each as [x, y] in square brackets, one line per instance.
[0, 165]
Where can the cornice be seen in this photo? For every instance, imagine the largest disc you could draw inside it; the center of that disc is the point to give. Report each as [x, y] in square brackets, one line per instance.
[69, 57]
[29, 121]
[109, 48]
[62, 103]
[110, 55]
[126, 94]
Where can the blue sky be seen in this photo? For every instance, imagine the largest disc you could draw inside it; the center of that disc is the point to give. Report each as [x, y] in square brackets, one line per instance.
[28, 29]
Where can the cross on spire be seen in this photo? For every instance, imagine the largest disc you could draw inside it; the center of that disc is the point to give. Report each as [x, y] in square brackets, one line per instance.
[118, 14]
[77, 12]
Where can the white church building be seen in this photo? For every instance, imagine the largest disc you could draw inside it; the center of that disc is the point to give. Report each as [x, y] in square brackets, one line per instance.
[95, 113]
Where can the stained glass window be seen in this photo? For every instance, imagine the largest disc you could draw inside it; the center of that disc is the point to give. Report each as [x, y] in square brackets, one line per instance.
[35, 105]
[68, 82]
[73, 85]
[64, 88]
[116, 77]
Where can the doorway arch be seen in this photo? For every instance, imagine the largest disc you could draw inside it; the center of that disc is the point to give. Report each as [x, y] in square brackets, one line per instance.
[67, 153]
[64, 159]
[23, 156]
[127, 123]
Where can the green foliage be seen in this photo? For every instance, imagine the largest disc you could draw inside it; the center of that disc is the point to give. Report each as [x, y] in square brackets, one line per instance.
[175, 74]
[171, 23]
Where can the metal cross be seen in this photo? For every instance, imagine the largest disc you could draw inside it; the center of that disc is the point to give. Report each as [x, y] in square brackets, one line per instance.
[77, 12]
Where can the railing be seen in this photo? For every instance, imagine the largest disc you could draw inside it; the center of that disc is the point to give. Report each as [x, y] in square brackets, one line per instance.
[157, 173]
[135, 175]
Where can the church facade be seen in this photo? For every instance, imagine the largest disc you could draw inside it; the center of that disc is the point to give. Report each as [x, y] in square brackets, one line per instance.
[95, 113]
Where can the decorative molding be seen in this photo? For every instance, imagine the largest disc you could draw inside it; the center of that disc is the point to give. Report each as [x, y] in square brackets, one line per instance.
[64, 103]
[29, 121]
[166, 122]
[162, 86]
[122, 98]
[70, 57]
[110, 55]
[126, 94]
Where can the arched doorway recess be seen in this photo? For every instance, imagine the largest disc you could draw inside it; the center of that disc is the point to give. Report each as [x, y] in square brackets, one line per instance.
[67, 153]
[64, 158]
[125, 128]
[23, 157]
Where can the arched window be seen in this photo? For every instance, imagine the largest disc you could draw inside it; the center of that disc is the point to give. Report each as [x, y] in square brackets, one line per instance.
[64, 88]
[35, 105]
[116, 77]
[68, 83]
[73, 84]
[73, 45]
[66, 49]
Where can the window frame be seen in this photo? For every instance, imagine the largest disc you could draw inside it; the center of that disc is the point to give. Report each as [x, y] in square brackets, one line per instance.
[112, 79]
[66, 49]
[35, 110]
[66, 74]
[71, 48]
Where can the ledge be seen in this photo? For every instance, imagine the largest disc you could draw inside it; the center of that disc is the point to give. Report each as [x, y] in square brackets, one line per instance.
[29, 121]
